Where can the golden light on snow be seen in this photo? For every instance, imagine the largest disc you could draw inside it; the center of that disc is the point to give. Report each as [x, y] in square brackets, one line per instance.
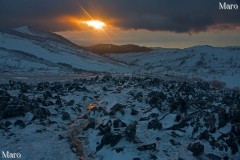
[91, 106]
[96, 24]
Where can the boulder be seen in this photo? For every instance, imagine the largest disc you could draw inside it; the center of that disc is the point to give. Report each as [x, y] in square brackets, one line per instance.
[20, 123]
[41, 113]
[65, 116]
[117, 108]
[197, 148]
[130, 131]
[109, 139]
[155, 124]
[147, 147]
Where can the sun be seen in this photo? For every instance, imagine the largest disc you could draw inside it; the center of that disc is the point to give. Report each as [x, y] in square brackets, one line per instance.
[96, 24]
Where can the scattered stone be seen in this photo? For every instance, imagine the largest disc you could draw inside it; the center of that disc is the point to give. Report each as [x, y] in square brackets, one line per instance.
[118, 150]
[222, 117]
[130, 131]
[213, 157]
[47, 94]
[204, 135]
[118, 123]
[134, 112]
[109, 139]
[155, 124]
[155, 99]
[20, 123]
[65, 116]
[90, 125]
[104, 129]
[147, 147]
[232, 144]
[153, 157]
[8, 123]
[41, 113]
[117, 108]
[174, 143]
[197, 148]
[210, 121]
[144, 118]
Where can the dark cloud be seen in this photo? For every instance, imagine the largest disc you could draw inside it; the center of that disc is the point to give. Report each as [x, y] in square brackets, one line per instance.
[167, 15]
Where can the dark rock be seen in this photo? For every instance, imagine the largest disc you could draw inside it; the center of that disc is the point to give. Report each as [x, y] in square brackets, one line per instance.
[222, 117]
[155, 99]
[20, 123]
[178, 126]
[58, 101]
[178, 118]
[56, 86]
[104, 129]
[153, 157]
[90, 125]
[138, 96]
[144, 118]
[70, 103]
[232, 144]
[213, 157]
[235, 118]
[47, 103]
[197, 148]
[204, 135]
[117, 108]
[225, 158]
[119, 150]
[136, 158]
[109, 139]
[147, 147]
[134, 112]
[158, 138]
[47, 94]
[174, 143]
[11, 111]
[8, 123]
[180, 104]
[130, 131]
[41, 113]
[210, 121]
[118, 123]
[186, 88]
[236, 130]
[154, 115]
[4, 96]
[65, 116]
[155, 124]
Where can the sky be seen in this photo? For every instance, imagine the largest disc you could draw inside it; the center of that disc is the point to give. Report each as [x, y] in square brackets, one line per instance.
[154, 23]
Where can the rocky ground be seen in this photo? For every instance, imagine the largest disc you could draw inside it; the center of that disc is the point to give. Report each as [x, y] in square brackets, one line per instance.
[120, 117]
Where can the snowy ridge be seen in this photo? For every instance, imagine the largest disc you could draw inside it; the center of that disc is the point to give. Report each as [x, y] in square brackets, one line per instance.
[56, 49]
[205, 62]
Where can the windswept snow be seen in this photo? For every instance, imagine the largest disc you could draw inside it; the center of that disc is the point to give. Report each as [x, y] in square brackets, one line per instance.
[200, 62]
[56, 49]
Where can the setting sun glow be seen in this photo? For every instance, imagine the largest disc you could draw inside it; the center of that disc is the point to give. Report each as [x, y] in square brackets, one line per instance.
[96, 24]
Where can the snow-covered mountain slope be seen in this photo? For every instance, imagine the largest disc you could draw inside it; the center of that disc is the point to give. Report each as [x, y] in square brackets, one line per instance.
[27, 49]
[17, 45]
[205, 62]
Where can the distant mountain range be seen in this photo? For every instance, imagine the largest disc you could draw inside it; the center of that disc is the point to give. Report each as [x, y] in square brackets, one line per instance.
[111, 48]
[30, 50]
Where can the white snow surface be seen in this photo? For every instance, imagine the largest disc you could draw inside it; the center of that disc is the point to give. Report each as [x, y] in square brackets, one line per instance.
[56, 49]
[199, 62]
[25, 48]
[50, 138]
